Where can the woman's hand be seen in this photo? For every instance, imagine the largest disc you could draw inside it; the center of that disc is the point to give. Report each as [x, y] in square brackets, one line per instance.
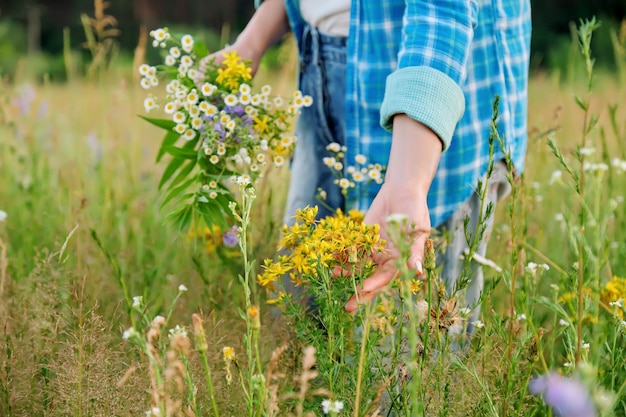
[264, 29]
[392, 199]
[413, 161]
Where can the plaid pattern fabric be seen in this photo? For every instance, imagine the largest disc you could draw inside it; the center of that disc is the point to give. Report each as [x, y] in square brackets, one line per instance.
[442, 63]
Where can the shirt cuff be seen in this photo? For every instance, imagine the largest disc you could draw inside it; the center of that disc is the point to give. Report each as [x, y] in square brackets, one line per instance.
[426, 95]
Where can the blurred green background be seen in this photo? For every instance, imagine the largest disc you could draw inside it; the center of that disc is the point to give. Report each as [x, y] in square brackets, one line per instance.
[43, 30]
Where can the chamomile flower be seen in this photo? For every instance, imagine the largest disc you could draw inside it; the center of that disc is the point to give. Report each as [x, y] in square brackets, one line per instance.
[213, 184]
[193, 97]
[180, 128]
[159, 34]
[208, 89]
[145, 83]
[194, 111]
[211, 110]
[297, 94]
[179, 117]
[266, 90]
[329, 161]
[245, 99]
[230, 100]
[307, 101]
[278, 102]
[338, 166]
[196, 123]
[231, 125]
[279, 160]
[175, 51]
[192, 73]
[143, 69]
[333, 147]
[251, 111]
[151, 72]
[244, 88]
[360, 159]
[221, 150]
[298, 102]
[169, 108]
[344, 183]
[214, 159]
[256, 100]
[190, 134]
[286, 141]
[224, 118]
[149, 104]
[374, 174]
[187, 43]
[213, 194]
[260, 157]
[186, 61]
[171, 87]
[154, 81]
[357, 176]
[254, 167]
[170, 61]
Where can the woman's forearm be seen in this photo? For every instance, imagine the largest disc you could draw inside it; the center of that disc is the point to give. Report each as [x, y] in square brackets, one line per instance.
[268, 25]
[415, 154]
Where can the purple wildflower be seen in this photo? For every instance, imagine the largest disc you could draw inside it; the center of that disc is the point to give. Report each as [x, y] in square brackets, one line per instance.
[566, 397]
[25, 99]
[230, 238]
[237, 110]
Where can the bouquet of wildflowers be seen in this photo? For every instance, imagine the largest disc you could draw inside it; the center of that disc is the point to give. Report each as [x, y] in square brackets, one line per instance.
[219, 131]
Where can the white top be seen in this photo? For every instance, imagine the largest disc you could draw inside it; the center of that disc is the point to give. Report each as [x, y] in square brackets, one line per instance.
[331, 17]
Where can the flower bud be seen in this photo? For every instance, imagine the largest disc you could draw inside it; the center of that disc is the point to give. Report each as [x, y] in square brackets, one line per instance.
[199, 335]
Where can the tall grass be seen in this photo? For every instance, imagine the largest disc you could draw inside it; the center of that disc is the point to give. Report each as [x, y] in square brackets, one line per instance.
[84, 235]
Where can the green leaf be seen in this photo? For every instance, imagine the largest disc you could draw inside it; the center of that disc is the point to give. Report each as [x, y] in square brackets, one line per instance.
[582, 104]
[182, 217]
[169, 139]
[184, 172]
[200, 48]
[162, 123]
[175, 192]
[212, 214]
[170, 170]
[181, 152]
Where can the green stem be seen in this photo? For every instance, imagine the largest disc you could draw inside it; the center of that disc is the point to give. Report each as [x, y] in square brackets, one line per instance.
[209, 384]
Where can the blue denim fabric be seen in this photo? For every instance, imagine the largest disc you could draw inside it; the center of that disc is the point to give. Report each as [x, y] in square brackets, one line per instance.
[322, 76]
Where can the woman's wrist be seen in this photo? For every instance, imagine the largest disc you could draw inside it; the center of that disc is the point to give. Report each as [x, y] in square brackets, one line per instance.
[415, 154]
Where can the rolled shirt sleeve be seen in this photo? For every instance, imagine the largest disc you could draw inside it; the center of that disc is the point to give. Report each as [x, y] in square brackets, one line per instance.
[432, 63]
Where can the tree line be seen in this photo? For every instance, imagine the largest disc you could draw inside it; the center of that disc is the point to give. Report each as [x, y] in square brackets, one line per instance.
[551, 18]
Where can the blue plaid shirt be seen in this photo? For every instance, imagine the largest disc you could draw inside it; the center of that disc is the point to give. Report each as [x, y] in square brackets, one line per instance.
[442, 63]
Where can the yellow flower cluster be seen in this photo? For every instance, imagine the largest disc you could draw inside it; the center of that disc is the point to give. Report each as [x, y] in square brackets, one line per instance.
[614, 294]
[340, 245]
[233, 72]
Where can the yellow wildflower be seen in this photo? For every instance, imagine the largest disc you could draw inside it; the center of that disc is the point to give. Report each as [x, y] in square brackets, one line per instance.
[415, 286]
[612, 293]
[260, 125]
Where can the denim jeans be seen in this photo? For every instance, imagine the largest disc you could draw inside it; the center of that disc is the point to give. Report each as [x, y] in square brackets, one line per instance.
[323, 77]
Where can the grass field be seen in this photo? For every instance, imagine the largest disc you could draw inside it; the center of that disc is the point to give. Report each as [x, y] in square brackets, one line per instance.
[84, 231]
